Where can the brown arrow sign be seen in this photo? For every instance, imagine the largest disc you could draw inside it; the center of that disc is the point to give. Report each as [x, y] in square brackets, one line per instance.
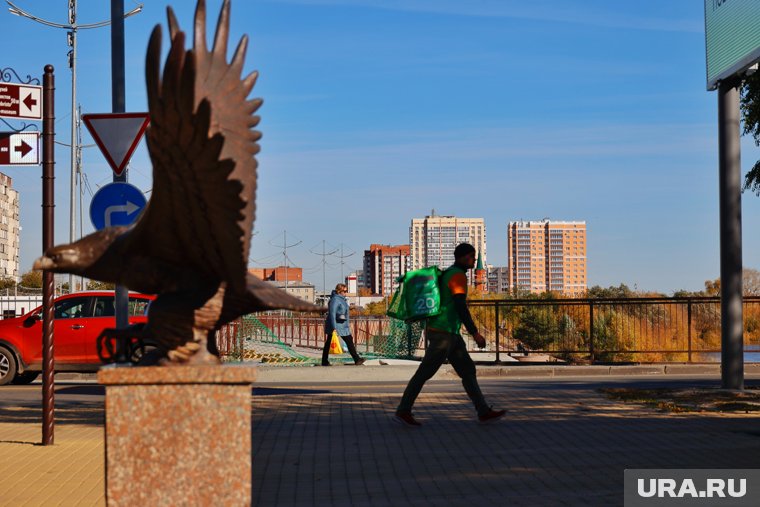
[19, 148]
[20, 101]
[23, 148]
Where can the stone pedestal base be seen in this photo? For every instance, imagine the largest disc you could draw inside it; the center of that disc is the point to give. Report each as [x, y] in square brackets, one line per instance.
[178, 435]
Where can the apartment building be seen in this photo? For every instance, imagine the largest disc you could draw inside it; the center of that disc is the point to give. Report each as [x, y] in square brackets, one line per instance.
[498, 279]
[547, 255]
[432, 239]
[355, 281]
[9, 229]
[383, 264]
[301, 290]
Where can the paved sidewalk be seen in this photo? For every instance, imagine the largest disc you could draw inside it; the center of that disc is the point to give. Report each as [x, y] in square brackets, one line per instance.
[560, 445]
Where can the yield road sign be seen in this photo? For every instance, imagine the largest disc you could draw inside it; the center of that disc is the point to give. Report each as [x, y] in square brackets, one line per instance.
[117, 135]
[19, 148]
[20, 101]
[116, 204]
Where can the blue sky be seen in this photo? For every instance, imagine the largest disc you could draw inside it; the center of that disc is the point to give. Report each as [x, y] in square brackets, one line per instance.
[378, 111]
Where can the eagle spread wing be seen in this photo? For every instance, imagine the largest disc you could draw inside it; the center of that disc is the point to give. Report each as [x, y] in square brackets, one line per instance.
[202, 148]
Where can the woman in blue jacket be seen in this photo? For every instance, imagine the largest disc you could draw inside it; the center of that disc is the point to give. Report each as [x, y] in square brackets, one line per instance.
[337, 320]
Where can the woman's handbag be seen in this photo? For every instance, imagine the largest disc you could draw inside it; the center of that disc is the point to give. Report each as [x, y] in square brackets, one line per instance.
[335, 347]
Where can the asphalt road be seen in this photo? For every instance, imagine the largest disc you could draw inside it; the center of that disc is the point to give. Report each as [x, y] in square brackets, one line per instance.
[77, 393]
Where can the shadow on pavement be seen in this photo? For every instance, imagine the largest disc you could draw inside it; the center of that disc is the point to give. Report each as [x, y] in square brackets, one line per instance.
[92, 390]
[79, 413]
[273, 391]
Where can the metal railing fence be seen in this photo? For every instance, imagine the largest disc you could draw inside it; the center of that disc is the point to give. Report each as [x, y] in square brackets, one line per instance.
[651, 329]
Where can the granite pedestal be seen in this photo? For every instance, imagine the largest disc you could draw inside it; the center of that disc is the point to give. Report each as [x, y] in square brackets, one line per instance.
[178, 435]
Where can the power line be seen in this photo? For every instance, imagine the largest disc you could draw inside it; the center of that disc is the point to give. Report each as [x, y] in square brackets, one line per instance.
[324, 263]
[341, 257]
[285, 247]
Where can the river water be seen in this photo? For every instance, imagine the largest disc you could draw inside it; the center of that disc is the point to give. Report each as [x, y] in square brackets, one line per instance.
[751, 355]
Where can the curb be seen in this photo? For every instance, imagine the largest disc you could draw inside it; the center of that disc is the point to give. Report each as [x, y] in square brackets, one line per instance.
[402, 373]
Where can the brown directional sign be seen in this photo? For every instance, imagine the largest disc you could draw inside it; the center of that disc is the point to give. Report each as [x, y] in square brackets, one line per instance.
[20, 101]
[19, 148]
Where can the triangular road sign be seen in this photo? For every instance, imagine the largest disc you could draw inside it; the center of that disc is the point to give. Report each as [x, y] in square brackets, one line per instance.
[117, 135]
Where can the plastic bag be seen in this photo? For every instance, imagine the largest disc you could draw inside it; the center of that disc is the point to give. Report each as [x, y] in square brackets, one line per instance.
[335, 347]
[418, 295]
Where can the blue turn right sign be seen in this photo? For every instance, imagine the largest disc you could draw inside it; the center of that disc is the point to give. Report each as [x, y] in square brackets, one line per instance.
[117, 203]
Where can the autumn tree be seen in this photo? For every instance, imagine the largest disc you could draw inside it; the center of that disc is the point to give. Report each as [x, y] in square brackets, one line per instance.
[712, 287]
[32, 280]
[96, 285]
[376, 308]
[750, 108]
[750, 284]
[619, 292]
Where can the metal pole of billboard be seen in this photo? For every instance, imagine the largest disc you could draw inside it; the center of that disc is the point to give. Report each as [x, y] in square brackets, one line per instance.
[729, 169]
[48, 205]
[118, 105]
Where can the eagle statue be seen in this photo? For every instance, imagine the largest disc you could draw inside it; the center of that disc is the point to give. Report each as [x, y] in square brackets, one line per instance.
[190, 245]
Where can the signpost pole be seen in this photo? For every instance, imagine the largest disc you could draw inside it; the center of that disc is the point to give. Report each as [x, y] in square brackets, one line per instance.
[48, 205]
[729, 168]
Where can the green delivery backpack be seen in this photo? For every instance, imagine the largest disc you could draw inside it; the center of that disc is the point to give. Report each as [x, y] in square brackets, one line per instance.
[418, 295]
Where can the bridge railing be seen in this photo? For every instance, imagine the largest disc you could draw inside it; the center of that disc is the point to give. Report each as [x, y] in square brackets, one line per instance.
[652, 329]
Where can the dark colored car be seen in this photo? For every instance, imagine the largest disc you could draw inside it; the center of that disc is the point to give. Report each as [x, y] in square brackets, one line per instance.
[79, 320]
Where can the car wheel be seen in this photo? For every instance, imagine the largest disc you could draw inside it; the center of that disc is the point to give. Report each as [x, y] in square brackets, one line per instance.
[25, 378]
[7, 366]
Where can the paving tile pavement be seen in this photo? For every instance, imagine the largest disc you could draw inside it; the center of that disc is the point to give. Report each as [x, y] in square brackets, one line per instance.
[68, 473]
[556, 447]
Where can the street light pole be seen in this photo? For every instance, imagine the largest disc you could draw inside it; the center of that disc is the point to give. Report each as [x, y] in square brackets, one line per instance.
[72, 39]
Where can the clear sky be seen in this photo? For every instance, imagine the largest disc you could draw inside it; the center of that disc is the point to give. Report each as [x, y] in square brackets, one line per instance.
[378, 111]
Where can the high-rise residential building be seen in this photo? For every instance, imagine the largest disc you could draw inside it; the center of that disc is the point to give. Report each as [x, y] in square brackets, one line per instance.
[432, 239]
[9, 229]
[383, 264]
[498, 279]
[547, 255]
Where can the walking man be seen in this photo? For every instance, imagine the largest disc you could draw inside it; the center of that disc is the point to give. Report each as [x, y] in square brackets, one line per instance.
[445, 342]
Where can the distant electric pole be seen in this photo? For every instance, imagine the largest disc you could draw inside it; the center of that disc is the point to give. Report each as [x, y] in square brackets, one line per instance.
[285, 247]
[341, 257]
[324, 263]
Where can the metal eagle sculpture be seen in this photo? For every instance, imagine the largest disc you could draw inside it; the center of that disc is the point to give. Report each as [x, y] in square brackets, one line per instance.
[190, 245]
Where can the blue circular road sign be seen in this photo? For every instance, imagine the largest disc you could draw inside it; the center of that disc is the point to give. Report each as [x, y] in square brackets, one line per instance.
[117, 203]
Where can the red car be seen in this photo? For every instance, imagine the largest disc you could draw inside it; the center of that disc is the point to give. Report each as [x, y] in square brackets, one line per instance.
[79, 320]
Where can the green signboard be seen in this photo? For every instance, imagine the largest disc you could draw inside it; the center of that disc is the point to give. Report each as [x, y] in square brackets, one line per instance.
[732, 36]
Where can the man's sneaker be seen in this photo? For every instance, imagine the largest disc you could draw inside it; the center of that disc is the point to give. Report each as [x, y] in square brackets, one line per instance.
[406, 419]
[491, 415]
[360, 361]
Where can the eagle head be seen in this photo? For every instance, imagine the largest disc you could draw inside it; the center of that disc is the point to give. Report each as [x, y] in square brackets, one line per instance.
[78, 257]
